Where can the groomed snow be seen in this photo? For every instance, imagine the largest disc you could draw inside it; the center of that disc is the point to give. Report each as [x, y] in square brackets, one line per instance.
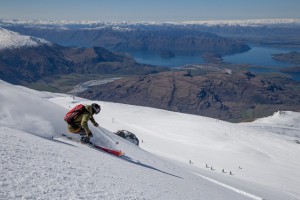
[264, 163]
[10, 39]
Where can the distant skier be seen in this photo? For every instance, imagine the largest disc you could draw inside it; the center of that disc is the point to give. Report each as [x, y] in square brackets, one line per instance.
[78, 117]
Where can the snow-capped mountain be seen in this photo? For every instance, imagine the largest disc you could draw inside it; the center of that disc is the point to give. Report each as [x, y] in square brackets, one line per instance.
[248, 22]
[187, 159]
[10, 39]
[39, 58]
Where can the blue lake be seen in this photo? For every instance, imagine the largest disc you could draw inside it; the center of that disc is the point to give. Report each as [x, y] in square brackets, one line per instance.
[257, 55]
[153, 58]
[261, 56]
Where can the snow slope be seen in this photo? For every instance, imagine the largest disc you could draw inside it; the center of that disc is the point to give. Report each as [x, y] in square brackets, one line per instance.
[264, 157]
[10, 39]
[281, 122]
[35, 166]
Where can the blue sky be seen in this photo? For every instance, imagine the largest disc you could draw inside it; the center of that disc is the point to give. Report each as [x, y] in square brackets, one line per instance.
[148, 10]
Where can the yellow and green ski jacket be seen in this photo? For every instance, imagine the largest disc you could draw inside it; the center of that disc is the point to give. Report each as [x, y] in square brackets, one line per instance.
[81, 121]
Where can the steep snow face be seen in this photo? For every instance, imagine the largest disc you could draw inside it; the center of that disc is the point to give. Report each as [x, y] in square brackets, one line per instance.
[27, 110]
[264, 165]
[35, 166]
[10, 39]
[250, 151]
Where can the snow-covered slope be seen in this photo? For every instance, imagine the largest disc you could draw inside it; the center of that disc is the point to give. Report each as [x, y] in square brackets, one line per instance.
[10, 39]
[281, 122]
[35, 166]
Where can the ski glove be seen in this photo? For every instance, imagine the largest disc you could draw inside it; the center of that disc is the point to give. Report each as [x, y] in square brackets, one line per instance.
[90, 134]
[96, 124]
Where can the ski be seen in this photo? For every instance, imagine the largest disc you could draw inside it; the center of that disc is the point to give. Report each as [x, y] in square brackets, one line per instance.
[111, 151]
[95, 146]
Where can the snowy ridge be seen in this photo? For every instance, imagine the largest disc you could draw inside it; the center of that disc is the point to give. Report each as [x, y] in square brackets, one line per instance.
[91, 24]
[250, 22]
[281, 122]
[251, 196]
[282, 118]
[10, 39]
[257, 163]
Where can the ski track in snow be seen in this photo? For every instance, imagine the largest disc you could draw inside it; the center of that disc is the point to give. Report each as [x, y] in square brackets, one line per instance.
[231, 188]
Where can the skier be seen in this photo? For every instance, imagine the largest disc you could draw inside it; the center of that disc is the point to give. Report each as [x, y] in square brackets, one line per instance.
[80, 123]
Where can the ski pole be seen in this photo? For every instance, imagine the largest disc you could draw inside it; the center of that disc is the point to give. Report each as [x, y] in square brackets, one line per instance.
[108, 135]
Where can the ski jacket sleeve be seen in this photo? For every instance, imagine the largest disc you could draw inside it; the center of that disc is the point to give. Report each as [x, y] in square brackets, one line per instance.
[93, 120]
[84, 122]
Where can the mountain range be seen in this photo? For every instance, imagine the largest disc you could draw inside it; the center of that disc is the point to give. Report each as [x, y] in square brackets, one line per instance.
[234, 97]
[25, 59]
[127, 37]
[90, 23]
[271, 32]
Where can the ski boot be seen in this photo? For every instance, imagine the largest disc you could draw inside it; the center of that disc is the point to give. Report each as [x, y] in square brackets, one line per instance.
[85, 140]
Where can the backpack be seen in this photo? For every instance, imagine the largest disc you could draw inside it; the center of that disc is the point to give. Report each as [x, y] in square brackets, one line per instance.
[74, 113]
